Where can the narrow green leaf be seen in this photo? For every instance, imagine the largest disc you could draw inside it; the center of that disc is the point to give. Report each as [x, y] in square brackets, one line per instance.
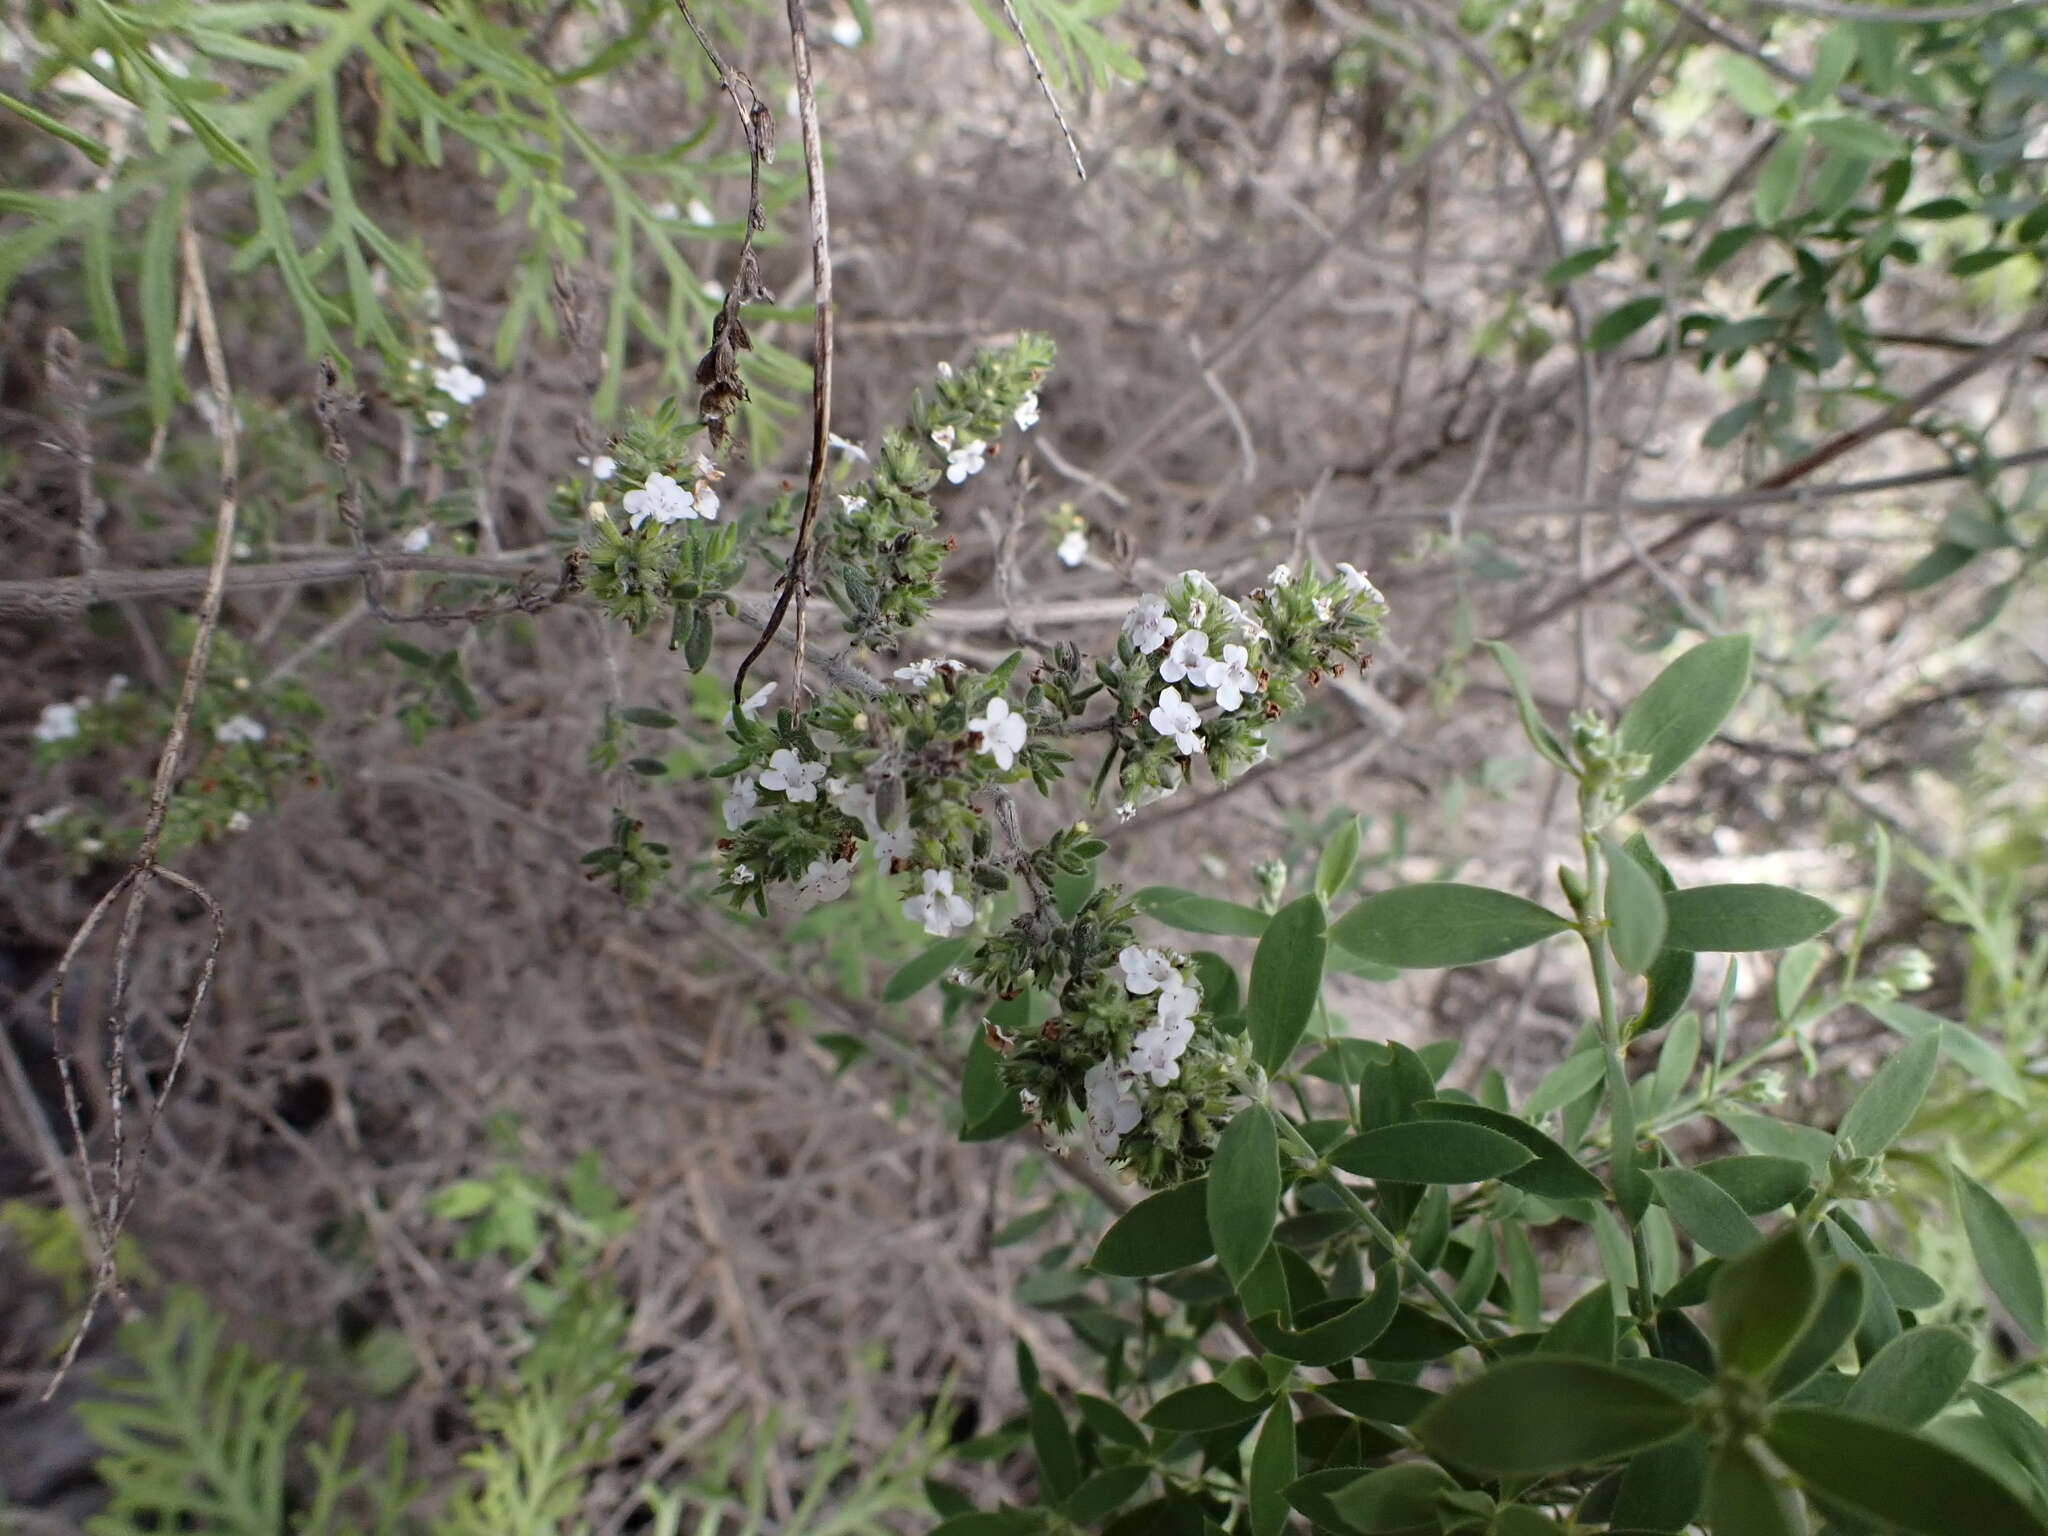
[1967, 1049]
[1578, 264]
[1244, 1190]
[653, 719]
[1538, 1414]
[1198, 914]
[1430, 1152]
[1779, 1138]
[1727, 919]
[1914, 1377]
[1158, 1235]
[1749, 83]
[1104, 1493]
[1273, 1467]
[1743, 1497]
[1623, 321]
[924, 968]
[1779, 178]
[1857, 136]
[1635, 913]
[1334, 1330]
[1287, 978]
[1705, 1212]
[1059, 1462]
[1551, 1172]
[1383, 1402]
[86, 145]
[1198, 1409]
[1541, 736]
[1682, 709]
[1428, 927]
[2004, 1256]
[1761, 1302]
[1899, 1477]
[1334, 866]
[1834, 1324]
[1397, 1498]
[1887, 1105]
[1759, 1184]
[1566, 1081]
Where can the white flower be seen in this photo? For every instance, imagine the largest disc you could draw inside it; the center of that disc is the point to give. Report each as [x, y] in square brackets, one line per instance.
[741, 796]
[416, 540]
[1279, 576]
[1174, 717]
[1149, 625]
[945, 370]
[889, 844]
[1324, 612]
[1231, 678]
[460, 384]
[699, 212]
[713, 289]
[846, 32]
[445, 344]
[967, 459]
[825, 880]
[941, 911]
[1113, 1110]
[1357, 583]
[58, 722]
[707, 470]
[116, 686]
[1145, 970]
[1188, 659]
[1073, 548]
[666, 209]
[40, 822]
[796, 778]
[850, 449]
[1026, 414]
[1179, 1002]
[239, 822]
[1029, 1101]
[922, 674]
[1125, 811]
[1002, 732]
[741, 874]
[751, 705]
[662, 499]
[240, 728]
[849, 506]
[944, 437]
[436, 420]
[1247, 627]
[603, 467]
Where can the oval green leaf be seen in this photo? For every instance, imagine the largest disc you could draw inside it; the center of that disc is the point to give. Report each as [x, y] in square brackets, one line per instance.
[2004, 1256]
[1428, 927]
[1430, 1152]
[1682, 709]
[1705, 1212]
[1198, 914]
[1914, 1377]
[1635, 913]
[1551, 1172]
[1244, 1190]
[1886, 1107]
[1548, 1413]
[1728, 919]
[1760, 1303]
[1158, 1235]
[1896, 1476]
[924, 968]
[1287, 977]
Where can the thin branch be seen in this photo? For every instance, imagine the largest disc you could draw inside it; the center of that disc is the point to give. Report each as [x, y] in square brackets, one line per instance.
[1045, 88]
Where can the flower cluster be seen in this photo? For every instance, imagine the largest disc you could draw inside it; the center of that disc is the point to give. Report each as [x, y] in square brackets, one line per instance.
[438, 386]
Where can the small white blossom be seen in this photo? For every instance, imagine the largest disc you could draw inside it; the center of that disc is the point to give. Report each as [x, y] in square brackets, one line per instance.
[1029, 1101]
[846, 31]
[945, 370]
[699, 212]
[1179, 1002]
[445, 344]
[662, 499]
[741, 796]
[1279, 576]
[603, 467]
[436, 420]
[1113, 1110]
[239, 822]
[116, 686]
[1002, 732]
[825, 880]
[1189, 659]
[797, 779]
[890, 844]
[1324, 612]
[1026, 414]
[705, 498]
[416, 540]
[58, 722]
[713, 289]
[1145, 970]
[1231, 678]
[850, 449]
[1174, 717]
[1357, 583]
[922, 674]
[1149, 625]
[751, 705]
[1125, 811]
[741, 874]
[942, 912]
[850, 506]
[1073, 548]
[461, 384]
[239, 728]
[944, 437]
[666, 209]
[40, 822]
[92, 845]
[967, 459]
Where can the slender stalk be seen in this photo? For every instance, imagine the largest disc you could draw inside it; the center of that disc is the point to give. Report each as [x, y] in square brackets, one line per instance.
[1621, 1104]
[1384, 1235]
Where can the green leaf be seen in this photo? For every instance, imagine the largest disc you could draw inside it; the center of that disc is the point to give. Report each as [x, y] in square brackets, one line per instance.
[1059, 1462]
[1383, 1402]
[1635, 913]
[1541, 736]
[1744, 1499]
[1856, 136]
[1104, 1493]
[1779, 1138]
[1160, 1234]
[1353, 1327]
[1834, 1324]
[1831, 62]
[1538, 1414]
[1287, 977]
[1566, 1081]
[1273, 1467]
[1198, 914]
[1578, 264]
[1333, 868]
[1887, 1105]
[1759, 1184]
[1727, 919]
[1430, 1152]
[1552, 1172]
[1749, 84]
[924, 968]
[653, 719]
[1393, 1499]
[1724, 247]
[2004, 1256]
[1914, 1377]
[1971, 1051]
[1705, 1212]
[1623, 321]
[1897, 1476]
[1733, 422]
[1779, 178]
[1428, 927]
[1198, 1409]
[1682, 709]
[1760, 1303]
[1244, 1190]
